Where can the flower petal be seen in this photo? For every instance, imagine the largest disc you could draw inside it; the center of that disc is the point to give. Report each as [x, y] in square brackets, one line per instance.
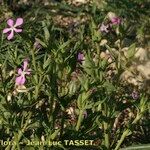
[80, 56]
[104, 28]
[116, 20]
[6, 30]
[17, 30]
[19, 71]
[10, 22]
[20, 80]
[19, 22]
[11, 35]
[28, 72]
[25, 64]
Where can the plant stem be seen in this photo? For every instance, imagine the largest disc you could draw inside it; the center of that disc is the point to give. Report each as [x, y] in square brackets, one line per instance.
[62, 126]
[122, 138]
[33, 60]
[106, 135]
[36, 75]
[79, 120]
[127, 132]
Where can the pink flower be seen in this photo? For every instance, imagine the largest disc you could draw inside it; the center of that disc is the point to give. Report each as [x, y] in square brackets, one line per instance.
[22, 72]
[135, 95]
[104, 28]
[115, 20]
[12, 27]
[80, 57]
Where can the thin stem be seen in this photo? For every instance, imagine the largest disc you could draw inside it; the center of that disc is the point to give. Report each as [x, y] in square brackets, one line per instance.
[36, 75]
[33, 59]
[106, 135]
[2, 79]
[79, 120]
[122, 139]
[127, 132]
[62, 125]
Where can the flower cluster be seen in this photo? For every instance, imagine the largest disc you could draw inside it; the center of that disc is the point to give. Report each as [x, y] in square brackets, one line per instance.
[13, 27]
[113, 20]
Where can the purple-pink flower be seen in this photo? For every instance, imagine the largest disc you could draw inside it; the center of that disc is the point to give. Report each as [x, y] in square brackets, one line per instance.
[22, 72]
[80, 57]
[104, 28]
[115, 20]
[135, 95]
[13, 27]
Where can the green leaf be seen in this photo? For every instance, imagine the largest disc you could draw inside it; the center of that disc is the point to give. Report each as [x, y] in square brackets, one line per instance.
[41, 42]
[79, 102]
[52, 136]
[109, 87]
[138, 147]
[96, 35]
[46, 63]
[131, 51]
[84, 82]
[46, 31]
[72, 88]
[89, 66]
